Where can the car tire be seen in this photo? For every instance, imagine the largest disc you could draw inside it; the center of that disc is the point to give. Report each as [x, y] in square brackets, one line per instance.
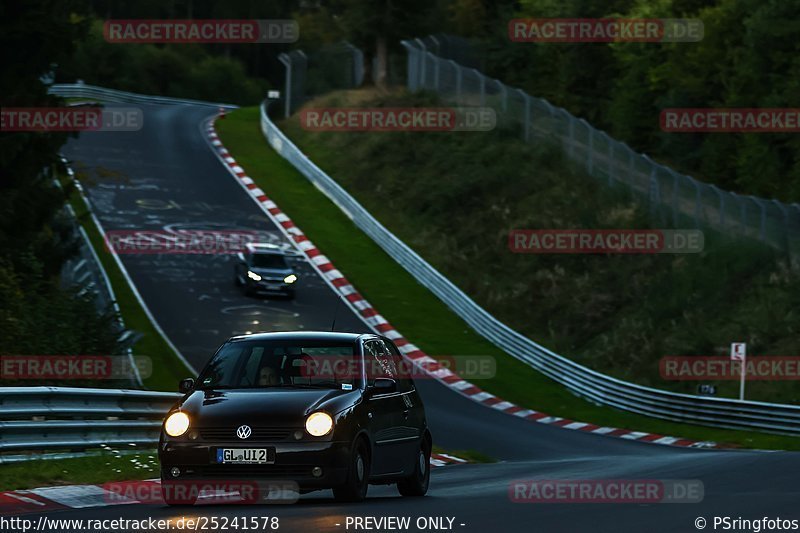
[175, 494]
[417, 483]
[355, 488]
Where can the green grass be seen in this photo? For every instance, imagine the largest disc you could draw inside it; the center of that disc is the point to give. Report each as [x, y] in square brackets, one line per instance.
[101, 468]
[167, 368]
[417, 313]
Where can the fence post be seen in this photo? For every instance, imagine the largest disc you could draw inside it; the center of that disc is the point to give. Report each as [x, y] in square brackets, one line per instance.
[504, 90]
[287, 102]
[697, 208]
[482, 81]
[743, 212]
[762, 230]
[458, 79]
[411, 65]
[571, 149]
[422, 55]
[527, 119]
[358, 64]
[674, 198]
[654, 192]
[721, 206]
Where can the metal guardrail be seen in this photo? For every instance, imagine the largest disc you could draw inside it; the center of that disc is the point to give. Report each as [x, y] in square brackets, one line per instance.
[80, 90]
[86, 271]
[64, 418]
[580, 380]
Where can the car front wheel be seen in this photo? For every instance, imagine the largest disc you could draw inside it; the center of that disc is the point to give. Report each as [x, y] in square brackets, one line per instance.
[417, 483]
[355, 488]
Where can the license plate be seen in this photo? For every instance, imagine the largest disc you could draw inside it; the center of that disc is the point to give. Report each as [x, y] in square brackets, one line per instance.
[246, 456]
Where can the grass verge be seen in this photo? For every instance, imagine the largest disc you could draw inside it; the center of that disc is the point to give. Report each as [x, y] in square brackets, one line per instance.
[101, 468]
[418, 314]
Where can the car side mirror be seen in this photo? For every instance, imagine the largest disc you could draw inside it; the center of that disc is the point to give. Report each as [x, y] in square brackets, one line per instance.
[384, 386]
[240, 256]
[186, 385]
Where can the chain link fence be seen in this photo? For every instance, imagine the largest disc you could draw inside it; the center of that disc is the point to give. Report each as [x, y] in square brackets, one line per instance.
[338, 66]
[674, 198]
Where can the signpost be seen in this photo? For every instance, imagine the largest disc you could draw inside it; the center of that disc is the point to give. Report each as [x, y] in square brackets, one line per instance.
[739, 353]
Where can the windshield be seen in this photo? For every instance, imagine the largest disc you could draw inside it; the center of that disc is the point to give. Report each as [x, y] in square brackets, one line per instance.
[267, 364]
[269, 261]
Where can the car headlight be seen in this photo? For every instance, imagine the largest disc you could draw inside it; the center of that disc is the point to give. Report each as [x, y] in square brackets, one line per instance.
[176, 424]
[252, 275]
[319, 424]
[291, 278]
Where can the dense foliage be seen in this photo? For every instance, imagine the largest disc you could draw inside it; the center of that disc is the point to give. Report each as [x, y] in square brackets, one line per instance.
[749, 58]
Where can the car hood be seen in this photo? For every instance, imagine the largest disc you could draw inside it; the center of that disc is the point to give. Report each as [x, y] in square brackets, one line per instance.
[274, 272]
[262, 407]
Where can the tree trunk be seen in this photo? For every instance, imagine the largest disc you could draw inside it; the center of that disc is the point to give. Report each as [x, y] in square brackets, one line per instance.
[381, 62]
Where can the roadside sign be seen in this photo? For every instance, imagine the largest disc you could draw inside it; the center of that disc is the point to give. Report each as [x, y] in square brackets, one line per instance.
[708, 390]
[739, 353]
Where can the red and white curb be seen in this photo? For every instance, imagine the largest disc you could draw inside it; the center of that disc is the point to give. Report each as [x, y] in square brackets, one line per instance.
[442, 459]
[377, 322]
[47, 499]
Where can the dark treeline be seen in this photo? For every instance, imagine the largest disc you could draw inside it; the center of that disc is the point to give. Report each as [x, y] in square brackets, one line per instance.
[750, 57]
[37, 316]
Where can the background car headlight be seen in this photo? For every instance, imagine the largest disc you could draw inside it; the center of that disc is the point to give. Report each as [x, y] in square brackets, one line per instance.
[291, 278]
[176, 424]
[252, 275]
[319, 424]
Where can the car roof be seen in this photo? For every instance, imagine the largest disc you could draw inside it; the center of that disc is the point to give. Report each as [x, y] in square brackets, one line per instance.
[311, 336]
[264, 248]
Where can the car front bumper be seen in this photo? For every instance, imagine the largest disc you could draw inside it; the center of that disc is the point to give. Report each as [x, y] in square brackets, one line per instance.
[294, 462]
[271, 287]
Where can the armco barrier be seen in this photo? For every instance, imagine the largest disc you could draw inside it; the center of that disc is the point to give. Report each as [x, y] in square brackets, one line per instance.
[79, 90]
[65, 418]
[582, 381]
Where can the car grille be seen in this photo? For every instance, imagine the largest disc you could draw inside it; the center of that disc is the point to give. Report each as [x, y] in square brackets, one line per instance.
[259, 434]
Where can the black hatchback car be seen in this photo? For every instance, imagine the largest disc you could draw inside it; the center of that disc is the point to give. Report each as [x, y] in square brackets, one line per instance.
[322, 410]
[263, 268]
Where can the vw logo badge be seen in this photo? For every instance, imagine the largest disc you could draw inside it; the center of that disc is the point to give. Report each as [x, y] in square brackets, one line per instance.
[244, 432]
